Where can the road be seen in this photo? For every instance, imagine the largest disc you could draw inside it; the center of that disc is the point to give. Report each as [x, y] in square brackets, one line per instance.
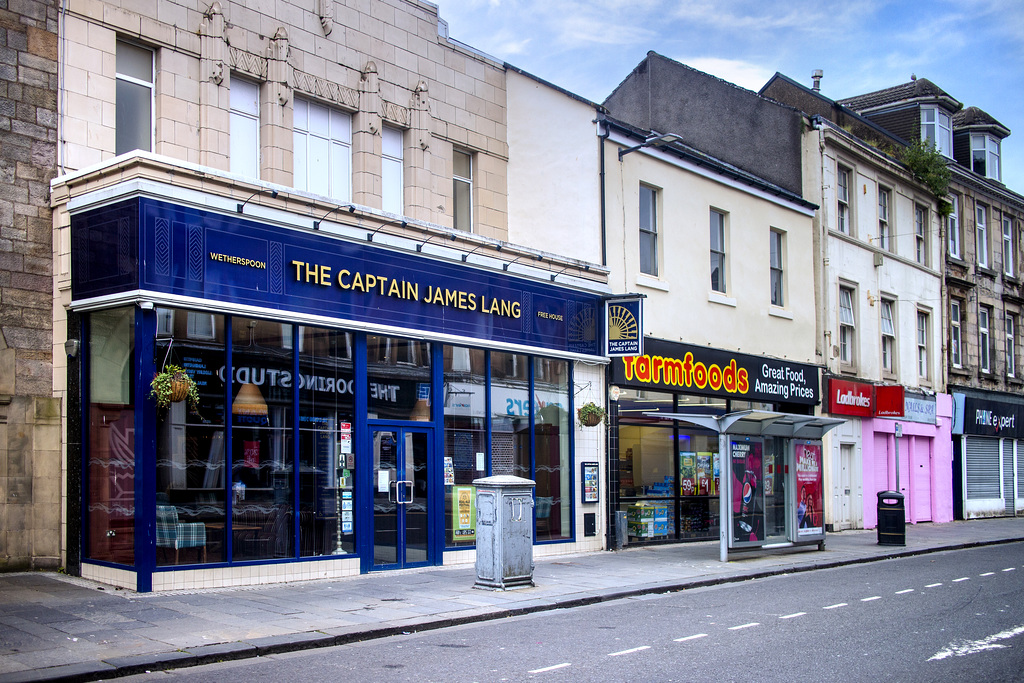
[953, 616]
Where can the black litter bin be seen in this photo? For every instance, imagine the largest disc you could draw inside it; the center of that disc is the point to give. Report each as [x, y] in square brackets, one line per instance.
[892, 524]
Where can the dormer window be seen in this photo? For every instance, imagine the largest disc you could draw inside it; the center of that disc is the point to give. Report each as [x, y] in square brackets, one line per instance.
[937, 129]
[985, 155]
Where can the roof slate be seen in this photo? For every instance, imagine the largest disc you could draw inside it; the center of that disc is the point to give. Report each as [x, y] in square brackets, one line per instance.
[920, 88]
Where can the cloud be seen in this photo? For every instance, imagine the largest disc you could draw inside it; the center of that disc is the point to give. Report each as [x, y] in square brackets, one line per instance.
[744, 74]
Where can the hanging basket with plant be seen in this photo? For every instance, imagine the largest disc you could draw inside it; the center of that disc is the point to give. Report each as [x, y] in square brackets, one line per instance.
[590, 414]
[173, 384]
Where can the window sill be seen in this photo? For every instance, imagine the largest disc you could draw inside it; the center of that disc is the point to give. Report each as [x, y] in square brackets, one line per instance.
[777, 312]
[719, 298]
[985, 270]
[651, 282]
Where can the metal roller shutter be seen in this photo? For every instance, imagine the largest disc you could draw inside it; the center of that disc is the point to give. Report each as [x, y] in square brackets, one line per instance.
[981, 460]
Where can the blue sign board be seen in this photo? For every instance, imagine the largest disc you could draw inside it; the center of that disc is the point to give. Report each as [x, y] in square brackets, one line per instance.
[167, 248]
[625, 333]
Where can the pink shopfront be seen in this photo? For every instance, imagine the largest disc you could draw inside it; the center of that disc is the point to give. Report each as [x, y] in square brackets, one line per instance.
[917, 427]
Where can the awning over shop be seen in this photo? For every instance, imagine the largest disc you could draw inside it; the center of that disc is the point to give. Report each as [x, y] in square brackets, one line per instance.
[758, 423]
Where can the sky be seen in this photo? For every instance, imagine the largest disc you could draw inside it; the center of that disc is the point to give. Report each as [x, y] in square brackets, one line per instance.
[972, 49]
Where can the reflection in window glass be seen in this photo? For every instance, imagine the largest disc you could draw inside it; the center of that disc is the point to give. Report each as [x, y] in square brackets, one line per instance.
[262, 490]
[326, 447]
[552, 461]
[398, 378]
[465, 439]
[510, 414]
[191, 490]
[110, 523]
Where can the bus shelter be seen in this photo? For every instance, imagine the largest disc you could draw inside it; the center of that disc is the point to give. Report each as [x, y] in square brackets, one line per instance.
[769, 468]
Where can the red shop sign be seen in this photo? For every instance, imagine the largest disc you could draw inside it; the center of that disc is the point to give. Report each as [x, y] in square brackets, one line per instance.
[889, 401]
[850, 398]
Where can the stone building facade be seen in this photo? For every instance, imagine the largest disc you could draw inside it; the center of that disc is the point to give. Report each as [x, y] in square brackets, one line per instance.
[30, 452]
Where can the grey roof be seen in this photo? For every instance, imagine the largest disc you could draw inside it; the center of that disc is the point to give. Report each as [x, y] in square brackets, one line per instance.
[976, 118]
[917, 89]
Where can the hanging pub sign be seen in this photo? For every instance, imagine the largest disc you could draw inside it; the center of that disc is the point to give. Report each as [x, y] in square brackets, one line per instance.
[624, 331]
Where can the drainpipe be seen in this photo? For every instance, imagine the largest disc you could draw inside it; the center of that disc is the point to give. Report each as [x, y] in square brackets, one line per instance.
[604, 220]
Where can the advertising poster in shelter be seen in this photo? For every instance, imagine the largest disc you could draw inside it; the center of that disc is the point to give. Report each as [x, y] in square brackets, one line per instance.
[809, 490]
[747, 496]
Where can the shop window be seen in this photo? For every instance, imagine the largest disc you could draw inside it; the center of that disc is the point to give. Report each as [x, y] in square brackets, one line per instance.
[843, 215]
[776, 264]
[191, 487]
[884, 226]
[552, 457]
[462, 190]
[262, 456]
[244, 123]
[718, 272]
[847, 327]
[888, 336]
[322, 148]
[110, 464]
[923, 346]
[984, 338]
[510, 414]
[327, 461]
[392, 186]
[398, 378]
[134, 99]
[648, 230]
[955, 333]
[953, 226]
[465, 440]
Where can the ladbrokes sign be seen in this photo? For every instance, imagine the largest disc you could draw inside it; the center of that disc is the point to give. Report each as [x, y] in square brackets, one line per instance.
[699, 370]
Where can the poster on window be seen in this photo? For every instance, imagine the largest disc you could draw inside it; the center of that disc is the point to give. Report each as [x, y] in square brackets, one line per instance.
[464, 513]
[251, 454]
[747, 493]
[809, 490]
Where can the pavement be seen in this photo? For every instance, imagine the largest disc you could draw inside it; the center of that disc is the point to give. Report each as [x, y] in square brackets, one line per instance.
[55, 627]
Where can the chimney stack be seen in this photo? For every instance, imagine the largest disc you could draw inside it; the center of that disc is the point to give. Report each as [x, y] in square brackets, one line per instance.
[816, 75]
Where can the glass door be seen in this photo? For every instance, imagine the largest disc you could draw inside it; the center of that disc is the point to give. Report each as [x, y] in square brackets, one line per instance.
[400, 520]
[774, 484]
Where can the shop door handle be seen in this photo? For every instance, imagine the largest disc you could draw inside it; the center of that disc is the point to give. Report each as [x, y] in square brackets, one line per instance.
[408, 497]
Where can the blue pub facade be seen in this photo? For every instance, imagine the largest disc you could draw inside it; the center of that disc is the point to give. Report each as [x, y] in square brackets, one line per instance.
[352, 378]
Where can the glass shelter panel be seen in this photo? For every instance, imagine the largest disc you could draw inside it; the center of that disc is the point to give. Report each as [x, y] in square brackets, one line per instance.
[191, 488]
[110, 471]
[262, 456]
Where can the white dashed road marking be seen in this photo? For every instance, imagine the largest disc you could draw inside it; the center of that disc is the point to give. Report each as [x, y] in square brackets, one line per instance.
[1009, 569]
[549, 668]
[905, 590]
[794, 615]
[987, 574]
[962, 578]
[694, 637]
[933, 585]
[737, 628]
[873, 597]
[838, 604]
[629, 651]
